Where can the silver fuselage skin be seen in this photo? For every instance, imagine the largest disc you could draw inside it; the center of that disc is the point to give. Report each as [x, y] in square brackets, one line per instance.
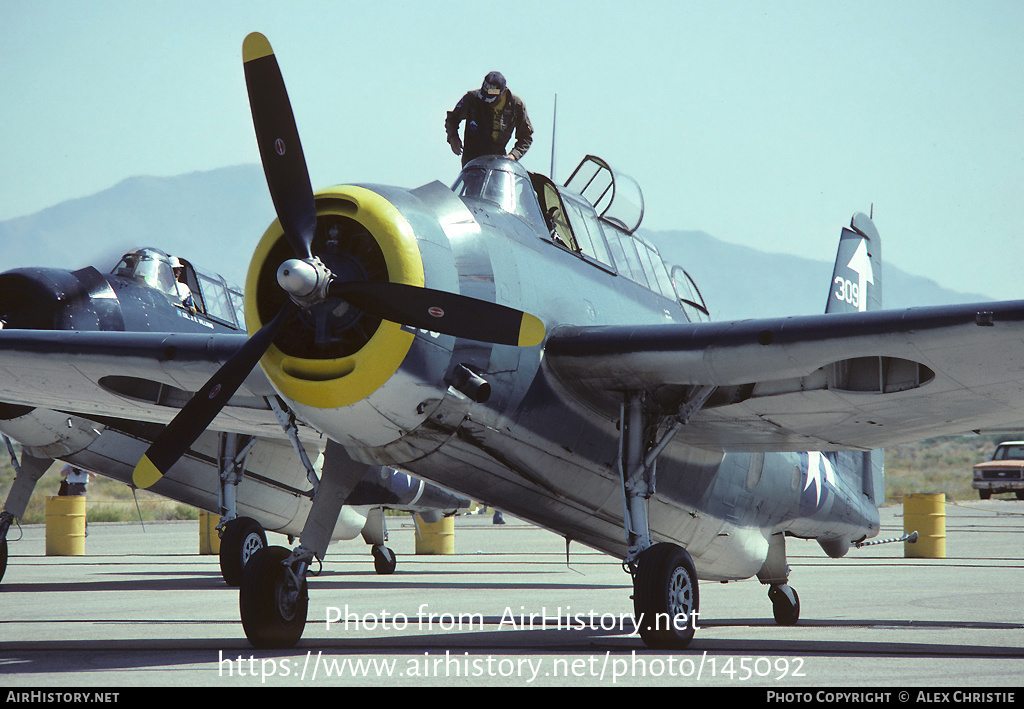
[538, 451]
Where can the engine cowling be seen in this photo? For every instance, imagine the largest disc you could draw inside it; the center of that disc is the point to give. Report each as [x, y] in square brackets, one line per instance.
[333, 356]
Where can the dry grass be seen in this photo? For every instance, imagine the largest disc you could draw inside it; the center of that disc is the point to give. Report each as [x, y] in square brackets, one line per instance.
[937, 465]
[106, 500]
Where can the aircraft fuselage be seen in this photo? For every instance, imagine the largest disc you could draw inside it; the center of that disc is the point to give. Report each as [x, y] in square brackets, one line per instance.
[535, 449]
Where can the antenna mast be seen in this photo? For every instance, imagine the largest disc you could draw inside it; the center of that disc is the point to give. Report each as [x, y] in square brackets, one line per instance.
[554, 120]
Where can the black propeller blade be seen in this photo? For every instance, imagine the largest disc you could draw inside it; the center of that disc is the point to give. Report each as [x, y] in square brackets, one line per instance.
[204, 406]
[280, 150]
[440, 311]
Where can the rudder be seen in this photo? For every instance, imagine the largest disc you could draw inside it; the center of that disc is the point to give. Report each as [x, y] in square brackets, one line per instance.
[857, 276]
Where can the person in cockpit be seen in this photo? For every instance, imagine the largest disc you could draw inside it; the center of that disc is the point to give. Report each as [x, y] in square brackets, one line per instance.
[181, 288]
[491, 114]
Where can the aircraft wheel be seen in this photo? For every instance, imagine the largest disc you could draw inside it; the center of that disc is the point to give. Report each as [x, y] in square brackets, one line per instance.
[665, 596]
[273, 610]
[384, 560]
[3, 558]
[242, 538]
[785, 604]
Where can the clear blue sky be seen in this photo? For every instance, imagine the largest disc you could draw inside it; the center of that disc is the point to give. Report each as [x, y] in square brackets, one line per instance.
[763, 123]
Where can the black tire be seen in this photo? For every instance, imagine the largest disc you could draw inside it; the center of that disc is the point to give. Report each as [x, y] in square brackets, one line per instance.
[384, 560]
[785, 612]
[984, 494]
[3, 558]
[242, 538]
[268, 618]
[665, 597]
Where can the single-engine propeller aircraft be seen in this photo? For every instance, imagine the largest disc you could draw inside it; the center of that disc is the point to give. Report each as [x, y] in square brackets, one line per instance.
[517, 341]
[138, 296]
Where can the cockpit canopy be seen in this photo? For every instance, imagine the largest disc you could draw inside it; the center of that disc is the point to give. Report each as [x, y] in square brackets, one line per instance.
[502, 182]
[594, 216]
[616, 196]
[212, 296]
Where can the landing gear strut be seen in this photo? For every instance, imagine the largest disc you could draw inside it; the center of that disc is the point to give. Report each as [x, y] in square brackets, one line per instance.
[273, 596]
[240, 537]
[27, 474]
[665, 594]
[375, 533]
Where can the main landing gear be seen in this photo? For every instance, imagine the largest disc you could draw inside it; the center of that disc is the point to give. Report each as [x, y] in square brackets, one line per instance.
[273, 597]
[666, 600]
[240, 537]
[27, 474]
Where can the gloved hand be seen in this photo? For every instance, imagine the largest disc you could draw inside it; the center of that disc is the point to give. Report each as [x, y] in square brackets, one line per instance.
[456, 144]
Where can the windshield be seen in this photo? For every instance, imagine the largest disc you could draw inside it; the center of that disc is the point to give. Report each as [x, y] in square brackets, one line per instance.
[149, 266]
[503, 183]
[1009, 453]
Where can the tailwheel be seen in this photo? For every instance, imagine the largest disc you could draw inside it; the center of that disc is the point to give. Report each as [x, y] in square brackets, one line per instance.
[272, 600]
[665, 596]
[384, 560]
[242, 538]
[785, 604]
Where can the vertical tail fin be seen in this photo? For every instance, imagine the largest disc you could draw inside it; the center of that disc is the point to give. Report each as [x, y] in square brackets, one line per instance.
[857, 277]
[857, 287]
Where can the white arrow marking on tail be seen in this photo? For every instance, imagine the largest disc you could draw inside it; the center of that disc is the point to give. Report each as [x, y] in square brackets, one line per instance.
[861, 265]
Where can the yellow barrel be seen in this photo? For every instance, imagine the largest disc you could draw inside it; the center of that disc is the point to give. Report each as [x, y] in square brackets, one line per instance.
[435, 538]
[65, 526]
[925, 513]
[209, 539]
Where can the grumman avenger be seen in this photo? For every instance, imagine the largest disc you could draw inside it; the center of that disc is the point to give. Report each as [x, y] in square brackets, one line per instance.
[519, 342]
[255, 480]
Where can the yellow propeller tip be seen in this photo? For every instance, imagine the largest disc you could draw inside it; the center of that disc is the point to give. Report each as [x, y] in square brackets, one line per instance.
[145, 473]
[255, 46]
[531, 331]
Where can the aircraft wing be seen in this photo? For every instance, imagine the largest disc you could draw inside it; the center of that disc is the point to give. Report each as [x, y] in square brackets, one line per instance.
[824, 382]
[128, 375]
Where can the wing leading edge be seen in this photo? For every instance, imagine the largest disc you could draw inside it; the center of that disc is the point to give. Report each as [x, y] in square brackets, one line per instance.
[127, 375]
[823, 382]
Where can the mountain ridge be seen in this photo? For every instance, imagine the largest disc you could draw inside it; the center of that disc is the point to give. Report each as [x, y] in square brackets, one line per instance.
[214, 219]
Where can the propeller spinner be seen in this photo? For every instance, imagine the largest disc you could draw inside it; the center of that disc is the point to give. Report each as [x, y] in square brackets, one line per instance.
[307, 281]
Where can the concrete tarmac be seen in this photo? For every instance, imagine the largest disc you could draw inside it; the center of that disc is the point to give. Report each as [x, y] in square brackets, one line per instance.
[144, 609]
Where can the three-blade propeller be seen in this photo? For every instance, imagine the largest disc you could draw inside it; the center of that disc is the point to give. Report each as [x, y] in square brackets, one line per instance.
[288, 180]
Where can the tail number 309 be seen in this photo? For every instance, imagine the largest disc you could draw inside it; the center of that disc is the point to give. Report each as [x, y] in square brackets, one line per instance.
[847, 291]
